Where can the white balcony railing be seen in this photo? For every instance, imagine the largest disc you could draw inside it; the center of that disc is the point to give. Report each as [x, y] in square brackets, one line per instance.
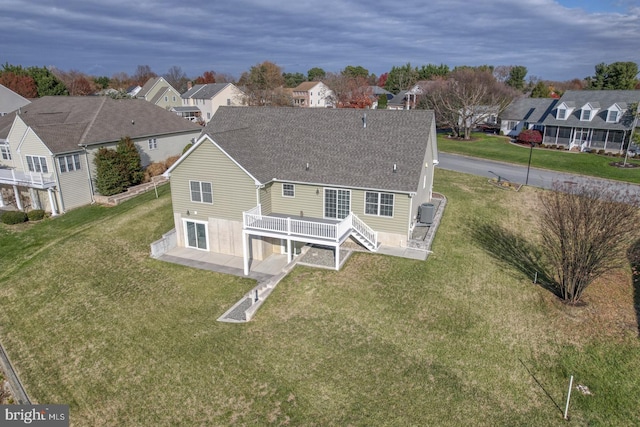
[253, 219]
[28, 179]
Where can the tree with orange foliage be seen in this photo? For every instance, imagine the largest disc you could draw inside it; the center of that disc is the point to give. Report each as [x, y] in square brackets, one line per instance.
[205, 78]
[350, 91]
[22, 85]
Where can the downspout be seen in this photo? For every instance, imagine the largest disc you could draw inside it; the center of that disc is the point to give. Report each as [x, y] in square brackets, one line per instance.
[410, 222]
[86, 158]
[55, 169]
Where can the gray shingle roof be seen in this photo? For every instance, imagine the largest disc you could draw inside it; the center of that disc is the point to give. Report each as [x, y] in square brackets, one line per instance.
[64, 122]
[605, 98]
[147, 87]
[532, 110]
[277, 143]
[204, 91]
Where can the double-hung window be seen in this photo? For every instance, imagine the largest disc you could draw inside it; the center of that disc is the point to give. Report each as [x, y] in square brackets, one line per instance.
[153, 143]
[5, 152]
[562, 114]
[288, 190]
[380, 204]
[201, 192]
[69, 163]
[37, 164]
[612, 116]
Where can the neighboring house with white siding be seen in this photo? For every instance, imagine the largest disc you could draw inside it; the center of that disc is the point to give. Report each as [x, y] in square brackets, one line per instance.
[10, 101]
[159, 92]
[47, 148]
[211, 96]
[261, 180]
[312, 95]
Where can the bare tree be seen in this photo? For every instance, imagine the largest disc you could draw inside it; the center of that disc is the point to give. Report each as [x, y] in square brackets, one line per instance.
[585, 229]
[142, 74]
[466, 98]
[349, 91]
[177, 78]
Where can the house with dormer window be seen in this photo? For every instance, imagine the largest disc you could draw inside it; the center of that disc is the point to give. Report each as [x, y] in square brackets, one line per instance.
[584, 120]
[592, 120]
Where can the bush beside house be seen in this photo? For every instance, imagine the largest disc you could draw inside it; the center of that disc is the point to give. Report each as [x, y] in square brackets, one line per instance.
[529, 136]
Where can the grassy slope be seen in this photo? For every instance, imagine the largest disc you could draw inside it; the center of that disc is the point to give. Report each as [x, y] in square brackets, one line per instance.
[124, 339]
[499, 148]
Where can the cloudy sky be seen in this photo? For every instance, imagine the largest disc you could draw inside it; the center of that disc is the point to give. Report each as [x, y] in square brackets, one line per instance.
[554, 39]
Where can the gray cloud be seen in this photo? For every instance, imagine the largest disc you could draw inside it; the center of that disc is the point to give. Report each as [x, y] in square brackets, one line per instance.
[98, 37]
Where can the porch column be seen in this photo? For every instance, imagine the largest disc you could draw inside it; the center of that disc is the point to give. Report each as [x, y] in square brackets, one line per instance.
[52, 202]
[337, 257]
[289, 256]
[245, 254]
[2, 205]
[18, 201]
[606, 139]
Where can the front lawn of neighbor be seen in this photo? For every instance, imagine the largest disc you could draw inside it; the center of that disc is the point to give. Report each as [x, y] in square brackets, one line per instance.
[464, 338]
[498, 148]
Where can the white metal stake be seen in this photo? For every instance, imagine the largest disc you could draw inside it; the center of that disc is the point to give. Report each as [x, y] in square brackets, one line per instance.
[566, 408]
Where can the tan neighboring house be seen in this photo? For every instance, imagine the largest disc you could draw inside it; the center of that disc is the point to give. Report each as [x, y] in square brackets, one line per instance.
[48, 146]
[209, 97]
[268, 180]
[159, 92]
[10, 101]
[313, 95]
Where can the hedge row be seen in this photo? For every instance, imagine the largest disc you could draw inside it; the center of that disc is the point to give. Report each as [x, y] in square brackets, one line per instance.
[17, 217]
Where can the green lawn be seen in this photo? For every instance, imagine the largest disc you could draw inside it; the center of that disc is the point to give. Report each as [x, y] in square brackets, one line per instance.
[461, 339]
[499, 148]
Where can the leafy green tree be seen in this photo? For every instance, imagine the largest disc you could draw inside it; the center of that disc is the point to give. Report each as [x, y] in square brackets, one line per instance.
[614, 76]
[108, 172]
[118, 169]
[541, 90]
[401, 78]
[516, 77]
[431, 71]
[355, 71]
[131, 163]
[293, 79]
[382, 102]
[102, 81]
[47, 84]
[316, 74]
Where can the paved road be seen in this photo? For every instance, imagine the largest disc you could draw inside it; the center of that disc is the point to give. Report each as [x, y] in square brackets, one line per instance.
[515, 173]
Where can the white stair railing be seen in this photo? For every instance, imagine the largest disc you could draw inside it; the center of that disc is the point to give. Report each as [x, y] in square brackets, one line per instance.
[366, 232]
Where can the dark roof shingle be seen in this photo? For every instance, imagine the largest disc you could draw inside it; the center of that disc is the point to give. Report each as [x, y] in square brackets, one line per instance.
[277, 143]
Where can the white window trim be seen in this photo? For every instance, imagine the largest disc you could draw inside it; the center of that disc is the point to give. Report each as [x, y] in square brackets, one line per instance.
[609, 116]
[293, 190]
[582, 115]
[324, 200]
[378, 204]
[5, 152]
[153, 143]
[565, 114]
[201, 192]
[186, 233]
[41, 159]
[76, 164]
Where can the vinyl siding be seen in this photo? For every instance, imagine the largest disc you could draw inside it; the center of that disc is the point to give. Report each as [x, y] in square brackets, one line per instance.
[310, 204]
[74, 185]
[233, 190]
[265, 199]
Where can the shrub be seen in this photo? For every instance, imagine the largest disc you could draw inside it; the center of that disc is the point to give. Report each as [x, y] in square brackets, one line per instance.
[530, 136]
[13, 217]
[35, 215]
[187, 147]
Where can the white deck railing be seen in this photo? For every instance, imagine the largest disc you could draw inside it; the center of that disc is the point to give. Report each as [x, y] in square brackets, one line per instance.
[29, 179]
[253, 219]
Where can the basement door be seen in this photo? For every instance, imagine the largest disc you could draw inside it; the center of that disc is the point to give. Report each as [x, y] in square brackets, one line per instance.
[196, 235]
